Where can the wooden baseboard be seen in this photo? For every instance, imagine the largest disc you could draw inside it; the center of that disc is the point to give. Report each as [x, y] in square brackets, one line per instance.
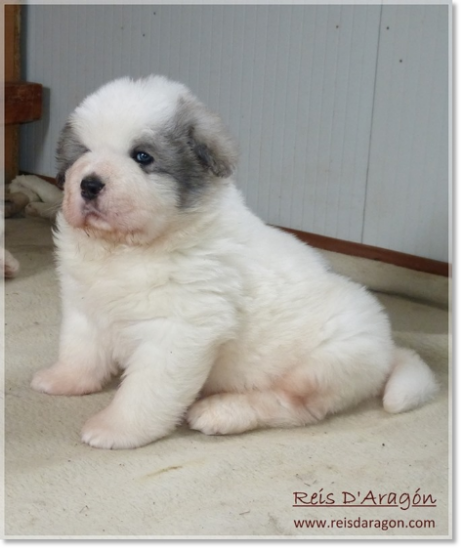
[372, 253]
[357, 249]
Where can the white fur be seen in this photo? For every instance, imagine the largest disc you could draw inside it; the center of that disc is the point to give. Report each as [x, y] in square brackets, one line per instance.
[210, 313]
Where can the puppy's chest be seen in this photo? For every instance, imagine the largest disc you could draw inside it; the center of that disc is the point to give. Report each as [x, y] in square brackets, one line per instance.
[125, 292]
[127, 288]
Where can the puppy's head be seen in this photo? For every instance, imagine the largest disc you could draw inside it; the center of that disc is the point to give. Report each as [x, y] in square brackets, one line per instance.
[136, 156]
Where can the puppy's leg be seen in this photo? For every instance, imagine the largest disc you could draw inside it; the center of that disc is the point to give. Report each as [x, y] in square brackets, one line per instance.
[162, 379]
[303, 395]
[232, 413]
[83, 365]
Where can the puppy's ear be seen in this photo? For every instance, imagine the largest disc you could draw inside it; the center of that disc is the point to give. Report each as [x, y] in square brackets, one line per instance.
[208, 138]
[69, 149]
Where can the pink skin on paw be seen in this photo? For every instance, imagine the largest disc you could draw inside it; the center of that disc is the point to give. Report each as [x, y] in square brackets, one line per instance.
[59, 380]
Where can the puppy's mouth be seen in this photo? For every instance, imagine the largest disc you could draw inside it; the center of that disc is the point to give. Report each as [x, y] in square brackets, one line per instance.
[91, 210]
[93, 216]
[85, 214]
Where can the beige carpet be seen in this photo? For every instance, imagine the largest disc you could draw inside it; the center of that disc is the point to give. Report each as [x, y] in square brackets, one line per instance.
[192, 485]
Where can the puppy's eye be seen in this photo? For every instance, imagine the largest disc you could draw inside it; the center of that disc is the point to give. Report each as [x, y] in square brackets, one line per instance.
[142, 158]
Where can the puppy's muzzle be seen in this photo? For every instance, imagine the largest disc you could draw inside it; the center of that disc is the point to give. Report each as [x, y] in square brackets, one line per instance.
[91, 187]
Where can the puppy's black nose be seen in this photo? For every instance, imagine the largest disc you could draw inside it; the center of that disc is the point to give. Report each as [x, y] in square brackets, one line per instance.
[91, 187]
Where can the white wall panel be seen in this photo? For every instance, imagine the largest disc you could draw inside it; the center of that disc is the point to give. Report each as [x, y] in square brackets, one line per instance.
[407, 191]
[295, 84]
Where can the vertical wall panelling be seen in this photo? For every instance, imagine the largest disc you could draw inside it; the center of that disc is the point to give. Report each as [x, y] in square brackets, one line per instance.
[407, 192]
[296, 86]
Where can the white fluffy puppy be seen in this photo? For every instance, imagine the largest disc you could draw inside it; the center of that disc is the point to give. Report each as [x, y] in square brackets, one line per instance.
[208, 312]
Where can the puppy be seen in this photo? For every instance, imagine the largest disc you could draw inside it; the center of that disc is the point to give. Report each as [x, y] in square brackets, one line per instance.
[209, 313]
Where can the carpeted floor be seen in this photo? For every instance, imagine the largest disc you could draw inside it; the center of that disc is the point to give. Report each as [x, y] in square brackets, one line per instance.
[192, 485]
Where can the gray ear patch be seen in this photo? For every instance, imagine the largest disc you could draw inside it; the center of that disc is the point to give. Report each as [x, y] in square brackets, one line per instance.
[207, 137]
[69, 149]
[195, 149]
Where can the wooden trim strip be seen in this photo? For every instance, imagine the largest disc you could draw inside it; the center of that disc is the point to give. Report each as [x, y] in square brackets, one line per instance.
[372, 253]
[23, 102]
[12, 51]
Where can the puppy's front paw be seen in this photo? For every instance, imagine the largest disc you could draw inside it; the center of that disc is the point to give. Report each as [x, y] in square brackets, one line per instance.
[62, 380]
[102, 431]
[110, 430]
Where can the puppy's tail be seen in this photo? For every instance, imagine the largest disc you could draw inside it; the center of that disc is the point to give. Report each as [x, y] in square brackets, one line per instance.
[411, 382]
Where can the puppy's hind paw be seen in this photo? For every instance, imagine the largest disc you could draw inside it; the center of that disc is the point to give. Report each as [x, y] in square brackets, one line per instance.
[219, 415]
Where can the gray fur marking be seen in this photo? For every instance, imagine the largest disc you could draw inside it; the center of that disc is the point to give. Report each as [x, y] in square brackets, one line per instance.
[69, 149]
[194, 149]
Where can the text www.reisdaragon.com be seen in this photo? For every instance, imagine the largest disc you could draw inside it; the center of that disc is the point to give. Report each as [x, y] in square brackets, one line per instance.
[359, 523]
